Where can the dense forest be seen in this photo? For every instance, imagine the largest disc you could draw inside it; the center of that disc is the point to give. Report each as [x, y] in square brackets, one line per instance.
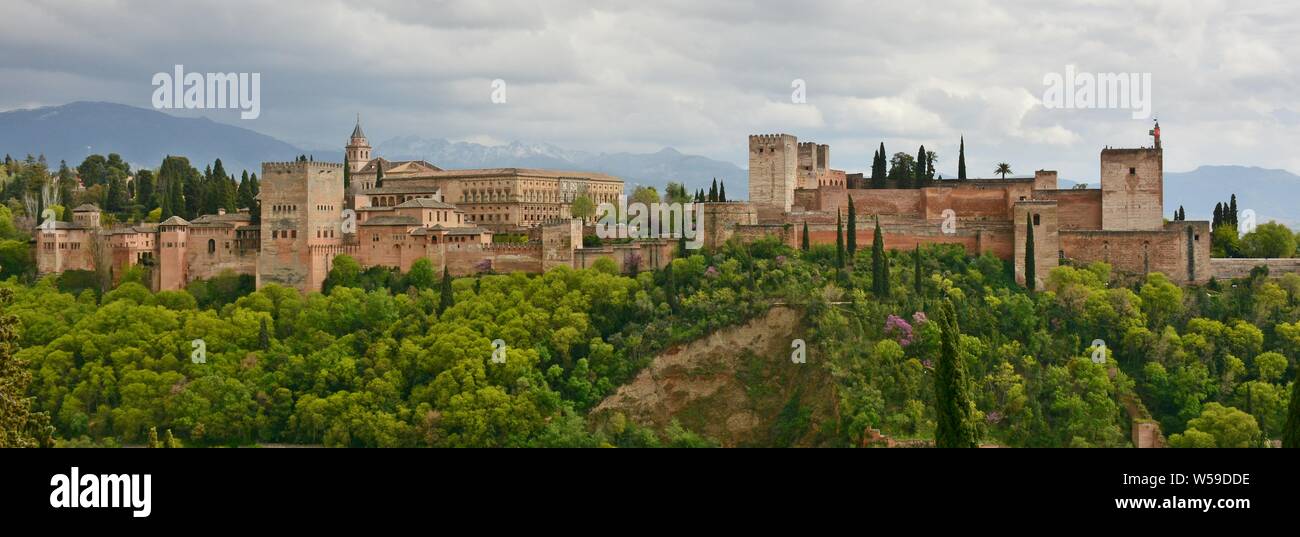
[383, 358]
[389, 359]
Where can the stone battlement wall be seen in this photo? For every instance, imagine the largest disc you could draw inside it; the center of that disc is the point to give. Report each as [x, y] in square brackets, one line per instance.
[1077, 209]
[1223, 269]
[1181, 250]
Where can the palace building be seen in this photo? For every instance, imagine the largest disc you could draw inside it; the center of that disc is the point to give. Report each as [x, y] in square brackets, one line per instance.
[392, 213]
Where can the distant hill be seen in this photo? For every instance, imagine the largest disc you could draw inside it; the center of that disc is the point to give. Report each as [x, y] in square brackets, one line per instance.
[142, 136]
[1272, 194]
[655, 169]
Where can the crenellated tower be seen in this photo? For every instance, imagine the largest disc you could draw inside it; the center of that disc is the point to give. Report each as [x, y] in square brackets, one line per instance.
[773, 173]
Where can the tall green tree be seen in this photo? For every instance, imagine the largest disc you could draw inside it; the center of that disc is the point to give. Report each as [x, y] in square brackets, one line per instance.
[852, 238]
[117, 195]
[803, 244]
[1232, 212]
[839, 240]
[173, 176]
[961, 160]
[917, 282]
[347, 174]
[954, 409]
[446, 298]
[379, 174]
[1291, 431]
[722, 191]
[879, 266]
[144, 190]
[263, 336]
[922, 167]
[879, 171]
[1031, 276]
[244, 194]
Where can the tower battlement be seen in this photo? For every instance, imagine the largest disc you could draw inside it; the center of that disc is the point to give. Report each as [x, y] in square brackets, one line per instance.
[770, 139]
[298, 166]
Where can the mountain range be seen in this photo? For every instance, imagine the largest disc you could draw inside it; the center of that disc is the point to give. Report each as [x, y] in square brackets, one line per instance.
[144, 136]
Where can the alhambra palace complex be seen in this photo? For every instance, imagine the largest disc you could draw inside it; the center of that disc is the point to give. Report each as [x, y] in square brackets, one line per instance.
[450, 216]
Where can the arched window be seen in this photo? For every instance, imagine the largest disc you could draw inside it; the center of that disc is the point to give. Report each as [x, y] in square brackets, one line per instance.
[212, 246]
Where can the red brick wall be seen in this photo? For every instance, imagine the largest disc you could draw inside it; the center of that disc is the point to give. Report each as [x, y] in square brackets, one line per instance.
[1077, 209]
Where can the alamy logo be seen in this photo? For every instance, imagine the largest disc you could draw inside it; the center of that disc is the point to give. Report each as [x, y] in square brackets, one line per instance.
[659, 220]
[1127, 91]
[107, 490]
[236, 91]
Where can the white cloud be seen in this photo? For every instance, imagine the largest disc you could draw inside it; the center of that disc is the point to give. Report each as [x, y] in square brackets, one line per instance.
[698, 76]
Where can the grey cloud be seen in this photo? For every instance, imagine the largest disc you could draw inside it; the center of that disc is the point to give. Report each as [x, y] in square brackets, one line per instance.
[698, 76]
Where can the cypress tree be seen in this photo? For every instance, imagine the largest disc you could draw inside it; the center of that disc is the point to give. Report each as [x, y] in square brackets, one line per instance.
[379, 175]
[879, 171]
[713, 190]
[852, 238]
[1218, 215]
[1031, 279]
[447, 300]
[1232, 210]
[921, 166]
[879, 283]
[347, 174]
[916, 267]
[1291, 430]
[961, 160]
[722, 191]
[804, 244]
[954, 427]
[263, 336]
[839, 239]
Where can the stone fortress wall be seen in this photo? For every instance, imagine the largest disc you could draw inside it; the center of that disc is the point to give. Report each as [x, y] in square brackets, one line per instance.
[1120, 223]
[451, 216]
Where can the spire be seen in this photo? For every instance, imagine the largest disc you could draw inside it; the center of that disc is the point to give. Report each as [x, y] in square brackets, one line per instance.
[356, 132]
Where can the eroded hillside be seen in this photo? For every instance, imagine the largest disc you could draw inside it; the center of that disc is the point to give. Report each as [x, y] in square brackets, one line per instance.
[738, 385]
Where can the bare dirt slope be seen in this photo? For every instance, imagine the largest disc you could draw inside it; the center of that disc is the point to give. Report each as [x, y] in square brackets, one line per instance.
[737, 385]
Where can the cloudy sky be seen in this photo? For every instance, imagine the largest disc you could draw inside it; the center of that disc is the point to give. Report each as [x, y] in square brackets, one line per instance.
[698, 75]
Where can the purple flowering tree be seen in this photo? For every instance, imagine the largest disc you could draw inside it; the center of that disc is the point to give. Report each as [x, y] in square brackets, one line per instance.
[899, 329]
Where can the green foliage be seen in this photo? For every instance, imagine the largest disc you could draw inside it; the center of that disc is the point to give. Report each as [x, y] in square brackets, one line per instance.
[421, 275]
[1226, 427]
[1269, 240]
[955, 412]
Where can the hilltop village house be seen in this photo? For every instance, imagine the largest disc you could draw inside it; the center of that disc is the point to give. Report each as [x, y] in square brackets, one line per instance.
[416, 210]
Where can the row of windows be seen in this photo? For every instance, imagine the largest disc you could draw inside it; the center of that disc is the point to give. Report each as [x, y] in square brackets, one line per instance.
[505, 217]
[432, 239]
[283, 208]
[281, 234]
[325, 208]
[327, 233]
